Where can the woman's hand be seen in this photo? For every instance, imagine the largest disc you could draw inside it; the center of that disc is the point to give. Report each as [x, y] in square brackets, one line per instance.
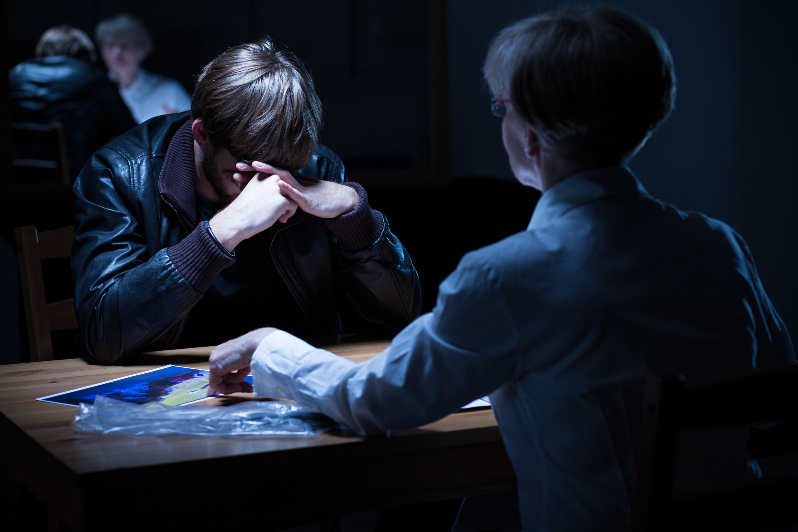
[230, 361]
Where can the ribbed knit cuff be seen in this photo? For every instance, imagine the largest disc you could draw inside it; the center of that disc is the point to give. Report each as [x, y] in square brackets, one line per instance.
[199, 259]
[360, 228]
[231, 254]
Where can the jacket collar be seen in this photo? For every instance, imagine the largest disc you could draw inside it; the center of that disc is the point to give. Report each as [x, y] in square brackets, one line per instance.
[582, 188]
[178, 179]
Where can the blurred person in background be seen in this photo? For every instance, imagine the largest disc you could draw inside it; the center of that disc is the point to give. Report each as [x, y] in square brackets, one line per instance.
[195, 227]
[61, 85]
[124, 44]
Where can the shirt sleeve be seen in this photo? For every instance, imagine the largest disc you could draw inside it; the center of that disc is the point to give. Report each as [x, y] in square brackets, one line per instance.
[464, 349]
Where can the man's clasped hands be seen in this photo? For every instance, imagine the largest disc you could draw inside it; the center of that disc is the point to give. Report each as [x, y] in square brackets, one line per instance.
[268, 194]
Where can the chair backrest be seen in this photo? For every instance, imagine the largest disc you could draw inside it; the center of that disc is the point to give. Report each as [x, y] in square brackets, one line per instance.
[40, 153]
[41, 317]
[673, 405]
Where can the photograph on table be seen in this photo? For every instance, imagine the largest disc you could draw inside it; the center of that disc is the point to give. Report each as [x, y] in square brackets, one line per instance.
[167, 385]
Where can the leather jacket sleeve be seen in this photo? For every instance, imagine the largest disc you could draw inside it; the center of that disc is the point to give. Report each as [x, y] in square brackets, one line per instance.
[127, 297]
[377, 285]
[382, 290]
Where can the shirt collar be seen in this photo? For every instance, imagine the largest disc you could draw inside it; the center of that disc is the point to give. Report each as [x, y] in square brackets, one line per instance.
[178, 179]
[581, 188]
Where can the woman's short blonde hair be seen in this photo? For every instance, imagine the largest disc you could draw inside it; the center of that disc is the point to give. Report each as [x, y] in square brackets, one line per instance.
[594, 82]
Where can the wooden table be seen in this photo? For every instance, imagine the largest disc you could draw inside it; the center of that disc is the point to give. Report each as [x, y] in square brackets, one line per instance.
[114, 482]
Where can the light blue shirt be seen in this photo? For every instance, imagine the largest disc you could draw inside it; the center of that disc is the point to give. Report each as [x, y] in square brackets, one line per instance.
[153, 95]
[559, 324]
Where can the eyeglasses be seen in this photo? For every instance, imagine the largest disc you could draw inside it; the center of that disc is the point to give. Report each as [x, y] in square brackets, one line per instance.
[498, 108]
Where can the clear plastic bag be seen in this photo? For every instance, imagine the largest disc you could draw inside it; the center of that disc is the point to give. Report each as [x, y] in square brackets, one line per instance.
[272, 419]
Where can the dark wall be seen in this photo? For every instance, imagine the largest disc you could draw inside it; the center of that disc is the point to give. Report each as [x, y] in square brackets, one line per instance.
[767, 136]
[369, 58]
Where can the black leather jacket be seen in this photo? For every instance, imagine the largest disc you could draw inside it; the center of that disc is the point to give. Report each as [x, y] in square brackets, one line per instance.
[134, 288]
[66, 90]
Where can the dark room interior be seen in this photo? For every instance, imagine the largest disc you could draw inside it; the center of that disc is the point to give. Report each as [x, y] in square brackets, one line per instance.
[406, 108]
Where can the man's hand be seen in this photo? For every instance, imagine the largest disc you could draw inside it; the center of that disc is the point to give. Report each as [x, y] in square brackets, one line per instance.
[320, 198]
[230, 361]
[257, 208]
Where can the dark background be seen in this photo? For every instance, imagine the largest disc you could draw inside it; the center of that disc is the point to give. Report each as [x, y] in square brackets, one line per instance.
[727, 149]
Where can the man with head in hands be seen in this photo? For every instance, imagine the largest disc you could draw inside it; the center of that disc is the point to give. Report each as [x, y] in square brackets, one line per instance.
[199, 226]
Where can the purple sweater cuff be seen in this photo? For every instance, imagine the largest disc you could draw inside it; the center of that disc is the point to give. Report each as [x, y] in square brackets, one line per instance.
[357, 229]
[199, 259]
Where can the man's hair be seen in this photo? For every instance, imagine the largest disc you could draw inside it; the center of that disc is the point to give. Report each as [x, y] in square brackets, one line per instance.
[123, 26]
[593, 82]
[258, 102]
[66, 40]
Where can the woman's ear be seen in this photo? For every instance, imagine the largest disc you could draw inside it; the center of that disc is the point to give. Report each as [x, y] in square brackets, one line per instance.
[200, 135]
[531, 143]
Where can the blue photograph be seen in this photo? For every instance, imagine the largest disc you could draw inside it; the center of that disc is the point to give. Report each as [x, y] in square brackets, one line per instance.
[168, 385]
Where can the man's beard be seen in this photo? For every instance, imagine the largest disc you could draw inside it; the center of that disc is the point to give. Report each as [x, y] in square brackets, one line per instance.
[215, 177]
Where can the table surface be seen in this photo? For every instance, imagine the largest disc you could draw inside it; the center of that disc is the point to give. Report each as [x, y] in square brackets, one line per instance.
[89, 479]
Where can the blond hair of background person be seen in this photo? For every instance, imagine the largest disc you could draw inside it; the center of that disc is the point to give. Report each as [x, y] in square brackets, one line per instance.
[124, 44]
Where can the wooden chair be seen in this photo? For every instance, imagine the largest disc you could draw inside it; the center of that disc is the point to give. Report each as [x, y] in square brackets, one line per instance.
[41, 317]
[47, 142]
[672, 405]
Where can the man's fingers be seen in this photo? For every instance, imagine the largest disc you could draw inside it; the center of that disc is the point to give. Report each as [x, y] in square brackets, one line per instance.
[285, 175]
[267, 168]
[289, 191]
[288, 213]
[240, 177]
[264, 167]
[289, 179]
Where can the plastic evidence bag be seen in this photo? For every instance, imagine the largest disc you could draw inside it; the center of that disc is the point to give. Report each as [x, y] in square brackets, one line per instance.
[264, 419]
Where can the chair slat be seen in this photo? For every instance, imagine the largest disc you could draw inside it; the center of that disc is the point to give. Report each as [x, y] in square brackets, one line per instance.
[42, 318]
[49, 137]
[56, 243]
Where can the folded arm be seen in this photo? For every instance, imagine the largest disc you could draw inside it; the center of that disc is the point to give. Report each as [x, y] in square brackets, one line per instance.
[131, 291]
